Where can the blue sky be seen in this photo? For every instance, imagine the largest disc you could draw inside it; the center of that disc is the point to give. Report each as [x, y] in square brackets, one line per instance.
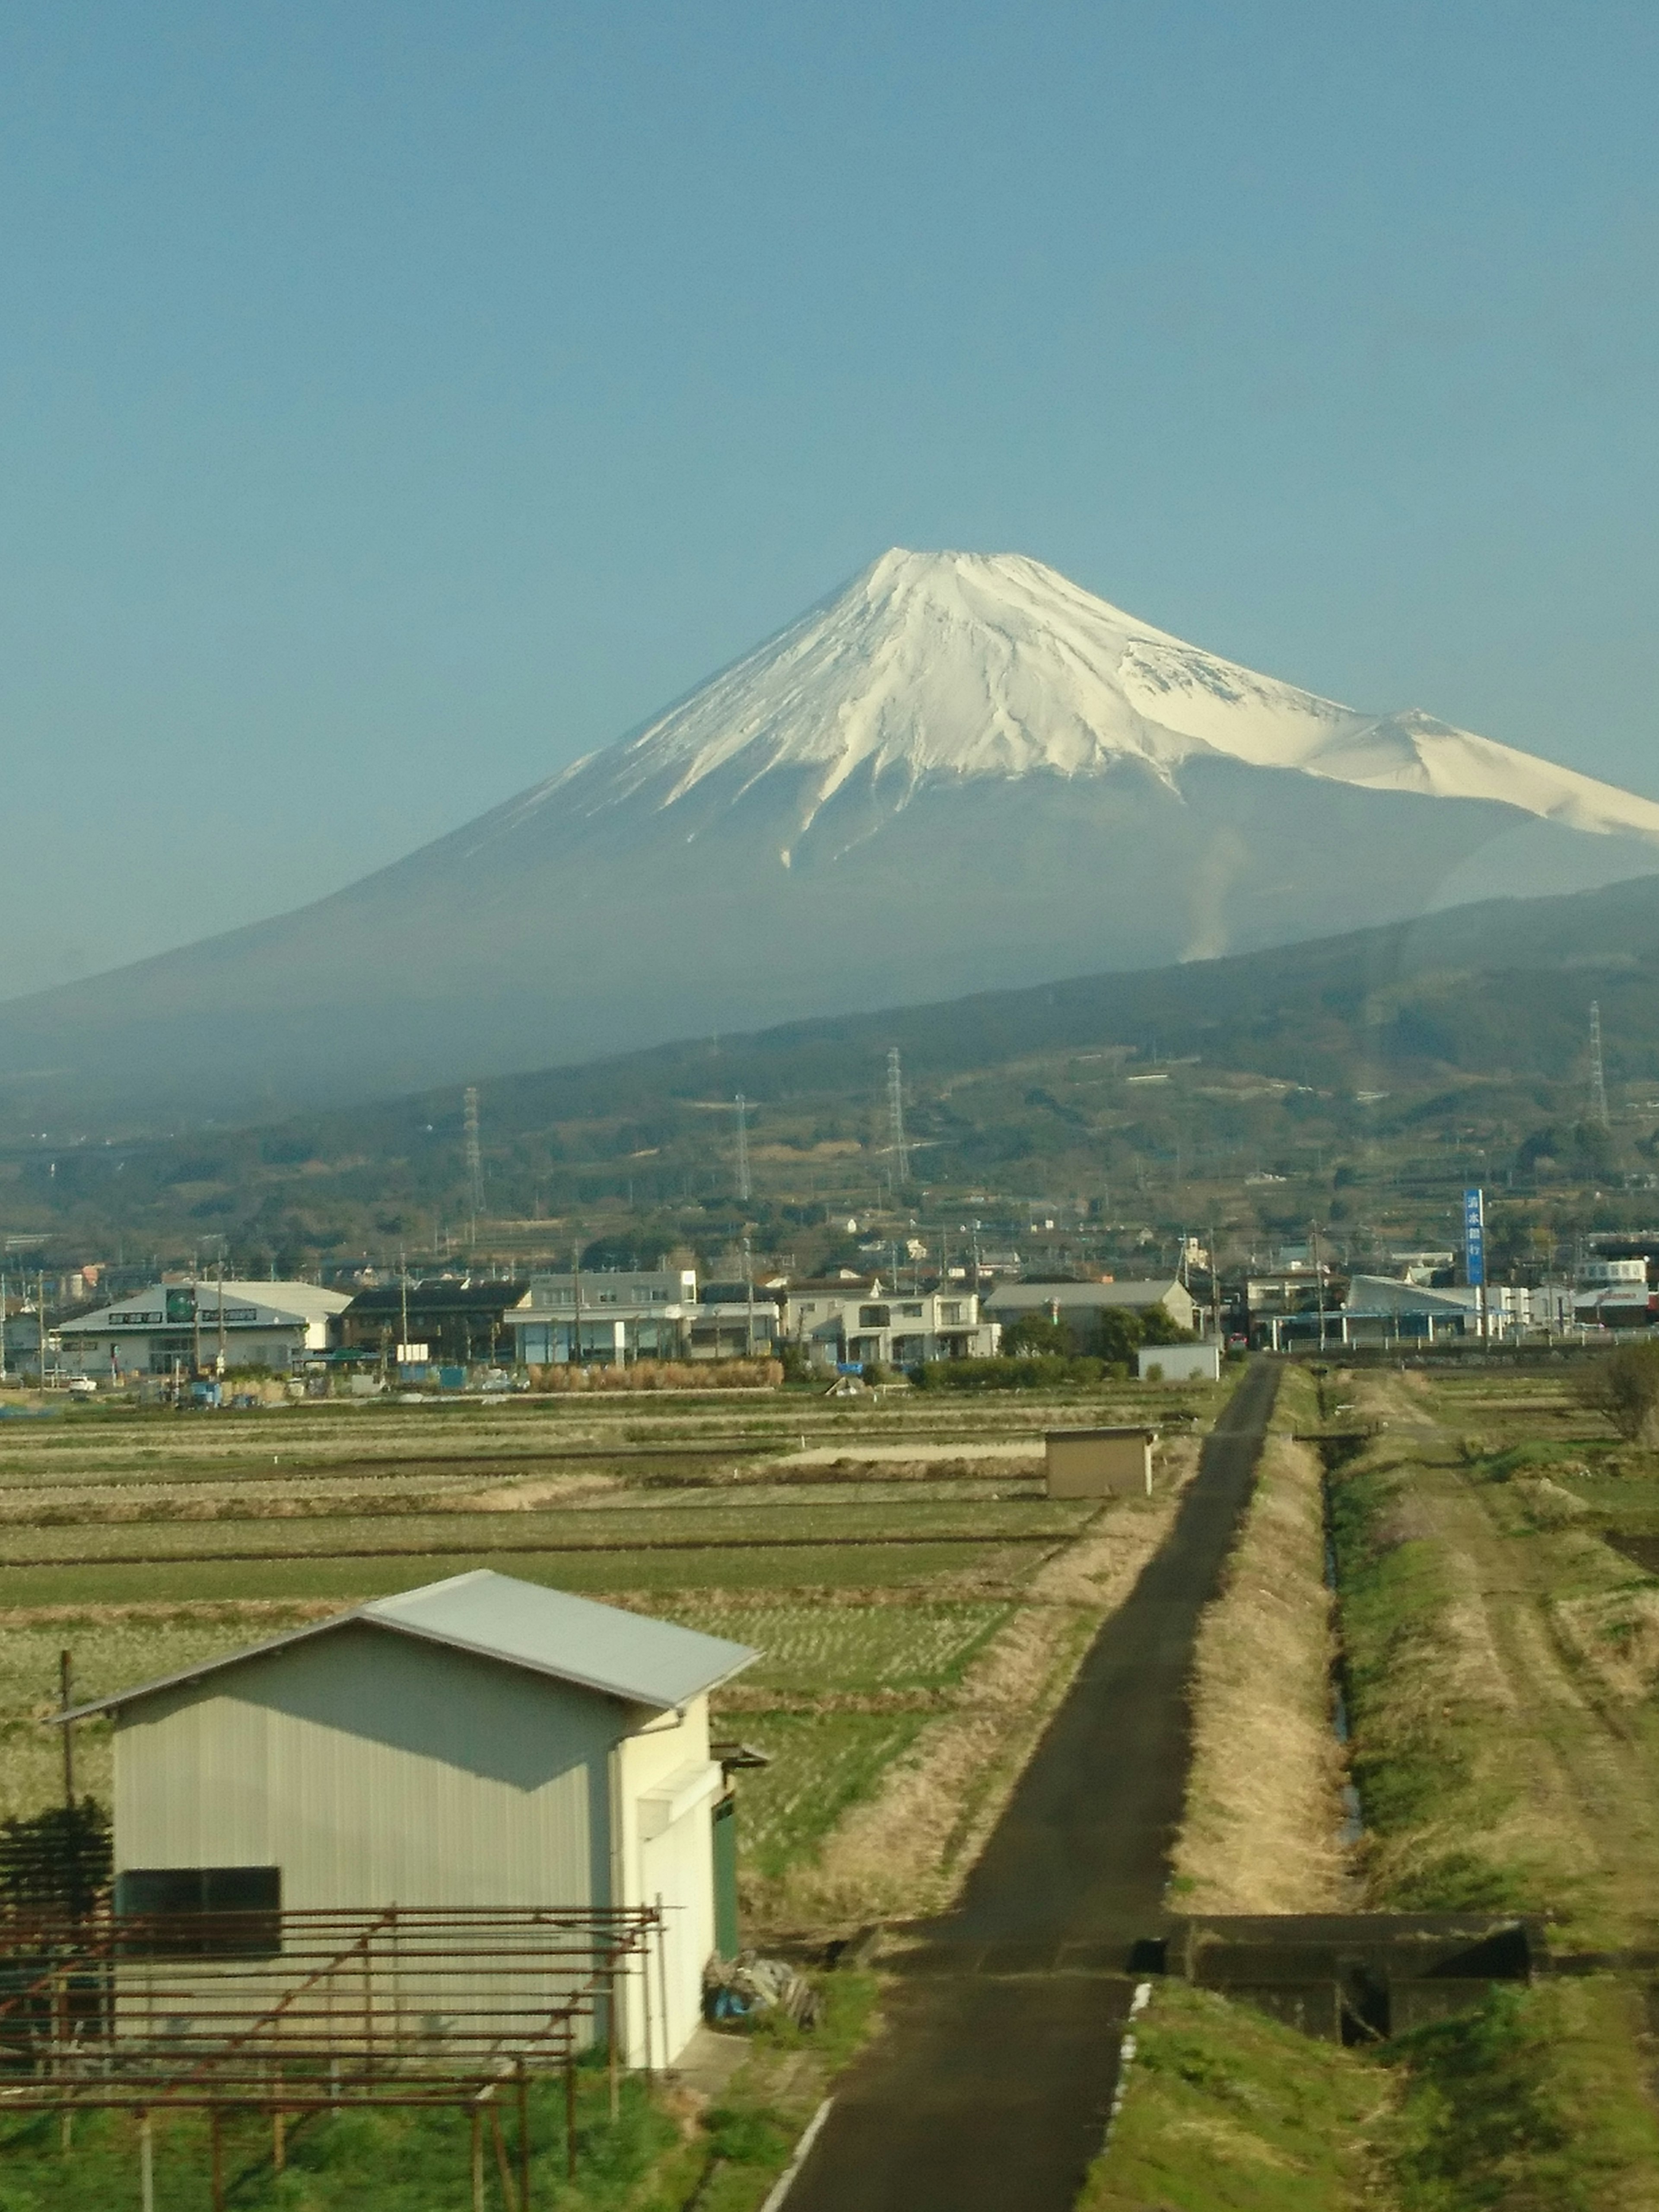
[398, 400]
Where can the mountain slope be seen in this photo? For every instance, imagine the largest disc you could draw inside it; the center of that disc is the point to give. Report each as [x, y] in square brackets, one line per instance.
[960, 772]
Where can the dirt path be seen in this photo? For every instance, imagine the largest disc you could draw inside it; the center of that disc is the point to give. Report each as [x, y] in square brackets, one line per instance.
[991, 2084]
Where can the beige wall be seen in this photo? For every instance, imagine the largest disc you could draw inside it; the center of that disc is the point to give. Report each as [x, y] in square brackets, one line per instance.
[1091, 1464]
[666, 1784]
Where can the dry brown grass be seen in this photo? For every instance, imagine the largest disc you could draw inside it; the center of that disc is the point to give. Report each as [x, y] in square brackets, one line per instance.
[1263, 1812]
[906, 1851]
[1615, 1634]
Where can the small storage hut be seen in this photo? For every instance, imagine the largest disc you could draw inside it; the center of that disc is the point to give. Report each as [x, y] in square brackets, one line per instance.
[479, 1741]
[1100, 1463]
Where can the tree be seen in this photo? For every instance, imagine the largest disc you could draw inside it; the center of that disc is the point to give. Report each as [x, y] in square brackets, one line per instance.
[1624, 1388]
[1038, 1332]
[59, 1857]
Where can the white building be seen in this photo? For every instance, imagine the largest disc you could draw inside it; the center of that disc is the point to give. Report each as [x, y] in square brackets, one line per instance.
[174, 1324]
[479, 1741]
[604, 1320]
[840, 1324]
[1180, 1363]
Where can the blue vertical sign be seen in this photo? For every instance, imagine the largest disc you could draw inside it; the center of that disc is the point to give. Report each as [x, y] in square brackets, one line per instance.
[1474, 1235]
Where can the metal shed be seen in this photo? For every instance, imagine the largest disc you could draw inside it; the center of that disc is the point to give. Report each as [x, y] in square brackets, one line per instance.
[481, 1742]
[1115, 1462]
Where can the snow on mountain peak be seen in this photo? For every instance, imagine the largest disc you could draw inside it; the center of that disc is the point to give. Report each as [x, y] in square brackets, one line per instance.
[931, 666]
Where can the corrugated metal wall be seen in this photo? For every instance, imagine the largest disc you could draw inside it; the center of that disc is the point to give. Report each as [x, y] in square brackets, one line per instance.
[374, 1768]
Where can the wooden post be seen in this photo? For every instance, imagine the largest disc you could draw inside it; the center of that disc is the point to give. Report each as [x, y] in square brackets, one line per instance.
[613, 2056]
[216, 2157]
[278, 2140]
[662, 1973]
[523, 2088]
[477, 2158]
[570, 2115]
[146, 2164]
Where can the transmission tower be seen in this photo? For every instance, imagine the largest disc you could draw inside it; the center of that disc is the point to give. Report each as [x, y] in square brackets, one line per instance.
[744, 1189]
[896, 1145]
[1598, 1097]
[474, 1158]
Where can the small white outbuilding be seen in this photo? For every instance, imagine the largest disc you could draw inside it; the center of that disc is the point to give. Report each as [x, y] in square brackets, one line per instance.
[479, 1741]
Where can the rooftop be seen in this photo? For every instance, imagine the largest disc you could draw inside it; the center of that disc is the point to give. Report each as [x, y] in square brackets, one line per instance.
[573, 1639]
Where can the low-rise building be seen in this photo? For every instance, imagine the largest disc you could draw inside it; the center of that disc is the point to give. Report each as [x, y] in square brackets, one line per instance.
[840, 1324]
[460, 1320]
[478, 1742]
[173, 1326]
[603, 1320]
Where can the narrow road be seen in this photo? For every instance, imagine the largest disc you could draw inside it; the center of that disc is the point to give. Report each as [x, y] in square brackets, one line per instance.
[991, 2085]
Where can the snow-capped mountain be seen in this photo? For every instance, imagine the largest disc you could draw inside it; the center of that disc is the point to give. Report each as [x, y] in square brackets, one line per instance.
[960, 770]
[932, 665]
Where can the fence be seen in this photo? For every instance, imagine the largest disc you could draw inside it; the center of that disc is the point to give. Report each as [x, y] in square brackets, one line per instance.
[291, 2014]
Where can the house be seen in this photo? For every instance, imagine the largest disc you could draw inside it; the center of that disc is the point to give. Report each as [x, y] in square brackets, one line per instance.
[603, 1319]
[461, 1322]
[480, 1742]
[1081, 1304]
[173, 1326]
[841, 1324]
[736, 1321]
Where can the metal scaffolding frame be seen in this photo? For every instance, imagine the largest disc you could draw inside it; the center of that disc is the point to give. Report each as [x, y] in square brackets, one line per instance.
[295, 2014]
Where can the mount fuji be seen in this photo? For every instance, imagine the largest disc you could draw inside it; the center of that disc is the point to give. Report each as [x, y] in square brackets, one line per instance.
[959, 772]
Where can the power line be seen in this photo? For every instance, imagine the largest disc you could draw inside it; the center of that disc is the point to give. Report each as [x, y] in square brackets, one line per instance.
[896, 1140]
[474, 1158]
[1598, 1097]
[744, 1185]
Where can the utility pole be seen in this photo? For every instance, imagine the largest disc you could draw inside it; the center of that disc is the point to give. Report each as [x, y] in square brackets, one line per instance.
[5, 1378]
[1319, 1279]
[222, 1313]
[195, 1320]
[745, 1187]
[41, 1325]
[896, 1145]
[749, 1293]
[1215, 1286]
[1598, 1097]
[474, 1157]
[403, 1287]
[576, 1300]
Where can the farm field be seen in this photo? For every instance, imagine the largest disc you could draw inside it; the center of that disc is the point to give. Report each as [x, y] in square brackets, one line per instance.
[880, 1556]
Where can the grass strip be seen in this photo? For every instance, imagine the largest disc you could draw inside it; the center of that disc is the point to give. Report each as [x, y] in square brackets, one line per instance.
[1225, 2111]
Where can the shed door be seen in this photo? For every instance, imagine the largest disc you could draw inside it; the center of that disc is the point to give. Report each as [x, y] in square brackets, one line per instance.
[725, 1822]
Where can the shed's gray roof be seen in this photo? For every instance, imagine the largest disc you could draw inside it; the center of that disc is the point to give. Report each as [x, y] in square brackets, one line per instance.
[548, 1631]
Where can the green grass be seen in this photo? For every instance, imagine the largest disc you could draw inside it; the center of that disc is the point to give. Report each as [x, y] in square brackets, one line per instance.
[363, 2161]
[811, 1647]
[1228, 2111]
[185, 1581]
[906, 1517]
[822, 1764]
[1413, 1757]
[1535, 2103]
